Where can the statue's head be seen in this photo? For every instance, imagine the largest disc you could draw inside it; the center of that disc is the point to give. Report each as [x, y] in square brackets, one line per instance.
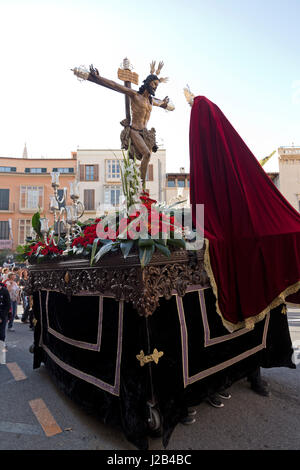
[150, 84]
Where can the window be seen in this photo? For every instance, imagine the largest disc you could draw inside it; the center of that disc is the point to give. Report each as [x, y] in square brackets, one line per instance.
[112, 170]
[60, 193]
[171, 183]
[181, 183]
[88, 172]
[35, 170]
[4, 230]
[63, 170]
[24, 230]
[89, 199]
[31, 197]
[112, 195]
[4, 199]
[7, 169]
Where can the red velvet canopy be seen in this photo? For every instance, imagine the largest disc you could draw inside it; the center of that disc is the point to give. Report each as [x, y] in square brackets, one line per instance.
[252, 232]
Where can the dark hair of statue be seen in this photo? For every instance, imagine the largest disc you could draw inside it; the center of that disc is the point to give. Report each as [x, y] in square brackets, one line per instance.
[146, 82]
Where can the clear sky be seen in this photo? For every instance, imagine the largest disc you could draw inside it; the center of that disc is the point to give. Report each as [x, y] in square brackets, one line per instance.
[241, 54]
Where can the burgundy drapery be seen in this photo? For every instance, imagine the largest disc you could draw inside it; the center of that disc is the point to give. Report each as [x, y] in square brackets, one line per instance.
[253, 233]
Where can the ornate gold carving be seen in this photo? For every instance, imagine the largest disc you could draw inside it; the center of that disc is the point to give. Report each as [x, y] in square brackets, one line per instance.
[154, 357]
[124, 279]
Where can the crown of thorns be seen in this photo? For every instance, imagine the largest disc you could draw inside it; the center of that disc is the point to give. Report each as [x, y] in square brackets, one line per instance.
[157, 71]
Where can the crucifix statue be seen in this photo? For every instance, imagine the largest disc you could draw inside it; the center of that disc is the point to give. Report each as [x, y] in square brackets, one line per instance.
[135, 135]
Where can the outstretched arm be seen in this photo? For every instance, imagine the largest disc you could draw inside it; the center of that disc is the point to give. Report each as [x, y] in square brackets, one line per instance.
[165, 103]
[93, 76]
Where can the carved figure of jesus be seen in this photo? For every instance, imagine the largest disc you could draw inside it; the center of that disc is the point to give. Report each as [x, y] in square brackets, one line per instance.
[141, 103]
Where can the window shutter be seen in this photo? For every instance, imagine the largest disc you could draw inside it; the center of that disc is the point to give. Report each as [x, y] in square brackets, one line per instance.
[85, 199]
[150, 172]
[89, 199]
[4, 199]
[85, 173]
[81, 173]
[106, 195]
[41, 196]
[96, 172]
[4, 230]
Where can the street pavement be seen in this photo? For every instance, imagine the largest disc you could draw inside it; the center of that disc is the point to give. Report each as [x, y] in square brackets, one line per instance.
[36, 415]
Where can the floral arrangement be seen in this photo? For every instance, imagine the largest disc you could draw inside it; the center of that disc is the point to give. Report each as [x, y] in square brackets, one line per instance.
[143, 226]
[44, 250]
[36, 248]
[131, 179]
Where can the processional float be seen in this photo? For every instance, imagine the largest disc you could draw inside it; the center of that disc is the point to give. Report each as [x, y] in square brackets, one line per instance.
[131, 307]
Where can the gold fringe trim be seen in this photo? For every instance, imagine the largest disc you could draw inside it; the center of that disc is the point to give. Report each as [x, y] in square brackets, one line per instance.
[248, 323]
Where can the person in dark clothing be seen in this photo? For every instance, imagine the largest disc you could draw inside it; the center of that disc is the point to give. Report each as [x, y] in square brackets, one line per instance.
[5, 304]
[24, 297]
[32, 320]
[258, 384]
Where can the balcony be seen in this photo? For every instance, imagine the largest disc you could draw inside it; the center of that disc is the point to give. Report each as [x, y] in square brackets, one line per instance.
[289, 150]
[30, 210]
[6, 244]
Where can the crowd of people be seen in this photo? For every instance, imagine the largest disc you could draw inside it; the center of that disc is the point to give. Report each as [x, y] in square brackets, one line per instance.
[12, 294]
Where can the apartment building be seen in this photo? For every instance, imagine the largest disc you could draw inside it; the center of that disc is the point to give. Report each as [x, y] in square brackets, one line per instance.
[289, 171]
[25, 186]
[100, 185]
[285, 175]
[177, 187]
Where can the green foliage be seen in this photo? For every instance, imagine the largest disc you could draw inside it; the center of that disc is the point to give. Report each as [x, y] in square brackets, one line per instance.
[103, 250]
[130, 178]
[163, 249]
[177, 242]
[21, 251]
[36, 223]
[126, 246]
[145, 254]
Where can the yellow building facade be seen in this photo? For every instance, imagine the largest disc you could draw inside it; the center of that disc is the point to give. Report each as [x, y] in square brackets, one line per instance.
[25, 186]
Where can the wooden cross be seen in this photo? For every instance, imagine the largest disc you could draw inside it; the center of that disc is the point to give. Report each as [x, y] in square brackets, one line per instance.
[128, 77]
